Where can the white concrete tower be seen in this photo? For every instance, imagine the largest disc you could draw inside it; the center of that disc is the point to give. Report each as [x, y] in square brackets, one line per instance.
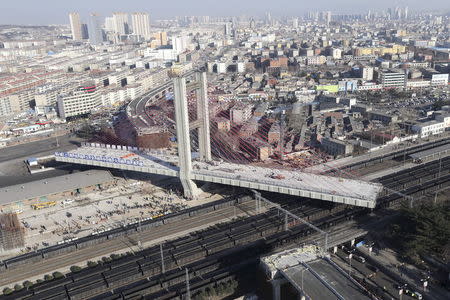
[203, 117]
[121, 26]
[141, 25]
[75, 26]
[183, 139]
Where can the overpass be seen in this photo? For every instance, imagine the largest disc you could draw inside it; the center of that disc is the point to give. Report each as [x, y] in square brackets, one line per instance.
[182, 165]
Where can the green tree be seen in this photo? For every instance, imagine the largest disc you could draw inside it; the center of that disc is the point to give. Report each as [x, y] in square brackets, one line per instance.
[421, 230]
[48, 277]
[114, 256]
[57, 275]
[27, 284]
[7, 291]
[18, 287]
[91, 264]
[75, 269]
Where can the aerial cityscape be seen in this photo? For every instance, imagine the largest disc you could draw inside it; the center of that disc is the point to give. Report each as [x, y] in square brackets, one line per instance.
[202, 150]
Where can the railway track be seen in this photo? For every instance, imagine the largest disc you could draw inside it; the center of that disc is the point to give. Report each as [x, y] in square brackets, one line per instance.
[209, 254]
[395, 155]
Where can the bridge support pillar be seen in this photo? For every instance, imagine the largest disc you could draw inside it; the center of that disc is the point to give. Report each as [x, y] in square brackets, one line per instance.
[276, 289]
[184, 141]
[203, 115]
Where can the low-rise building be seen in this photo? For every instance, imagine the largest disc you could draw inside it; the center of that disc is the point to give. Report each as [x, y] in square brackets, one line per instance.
[336, 147]
[381, 116]
[427, 128]
[79, 102]
[240, 113]
[392, 78]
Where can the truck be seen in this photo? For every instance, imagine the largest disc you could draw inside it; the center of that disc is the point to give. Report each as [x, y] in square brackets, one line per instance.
[42, 205]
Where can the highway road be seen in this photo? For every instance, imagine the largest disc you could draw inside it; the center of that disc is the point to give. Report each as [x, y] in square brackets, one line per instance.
[148, 238]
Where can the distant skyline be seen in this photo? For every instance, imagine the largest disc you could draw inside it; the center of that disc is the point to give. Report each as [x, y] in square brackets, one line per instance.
[44, 12]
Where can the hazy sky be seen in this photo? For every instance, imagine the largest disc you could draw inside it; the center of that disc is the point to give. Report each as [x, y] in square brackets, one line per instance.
[55, 11]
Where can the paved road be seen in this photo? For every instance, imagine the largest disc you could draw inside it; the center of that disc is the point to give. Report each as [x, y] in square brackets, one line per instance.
[12, 167]
[361, 270]
[148, 238]
[38, 148]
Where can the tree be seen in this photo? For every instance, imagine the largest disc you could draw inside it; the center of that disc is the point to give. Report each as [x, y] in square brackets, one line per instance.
[75, 269]
[57, 275]
[91, 264]
[27, 284]
[48, 277]
[421, 230]
[39, 281]
[18, 287]
[114, 256]
[86, 131]
[7, 291]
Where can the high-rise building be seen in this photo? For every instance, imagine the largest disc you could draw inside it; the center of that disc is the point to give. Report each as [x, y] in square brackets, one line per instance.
[268, 19]
[121, 26]
[84, 31]
[75, 26]
[227, 28]
[141, 24]
[180, 44]
[109, 24]
[95, 30]
[295, 23]
[252, 24]
[328, 17]
[161, 38]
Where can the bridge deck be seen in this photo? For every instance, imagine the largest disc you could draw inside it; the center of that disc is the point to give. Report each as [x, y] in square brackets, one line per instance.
[352, 192]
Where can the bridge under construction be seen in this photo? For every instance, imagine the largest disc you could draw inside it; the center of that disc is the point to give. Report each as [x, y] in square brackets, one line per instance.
[204, 168]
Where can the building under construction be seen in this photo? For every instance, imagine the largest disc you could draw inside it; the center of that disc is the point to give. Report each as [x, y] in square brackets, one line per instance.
[12, 234]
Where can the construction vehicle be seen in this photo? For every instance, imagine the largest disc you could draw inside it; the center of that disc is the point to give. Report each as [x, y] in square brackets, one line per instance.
[42, 205]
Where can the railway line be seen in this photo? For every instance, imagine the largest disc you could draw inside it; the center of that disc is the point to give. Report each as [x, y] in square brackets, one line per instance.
[217, 254]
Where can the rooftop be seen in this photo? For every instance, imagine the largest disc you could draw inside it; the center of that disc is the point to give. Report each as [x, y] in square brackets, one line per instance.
[49, 186]
[431, 152]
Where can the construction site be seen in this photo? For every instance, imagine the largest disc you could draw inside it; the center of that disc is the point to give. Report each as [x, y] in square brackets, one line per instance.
[12, 233]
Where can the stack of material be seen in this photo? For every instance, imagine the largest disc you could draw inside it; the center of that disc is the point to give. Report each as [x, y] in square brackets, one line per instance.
[12, 234]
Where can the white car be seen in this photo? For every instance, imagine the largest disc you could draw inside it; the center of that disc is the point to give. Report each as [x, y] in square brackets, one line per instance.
[68, 201]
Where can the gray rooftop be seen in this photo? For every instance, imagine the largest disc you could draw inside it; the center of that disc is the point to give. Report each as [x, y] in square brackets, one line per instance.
[441, 150]
[49, 186]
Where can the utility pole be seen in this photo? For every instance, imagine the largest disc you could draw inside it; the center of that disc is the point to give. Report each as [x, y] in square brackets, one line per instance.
[439, 176]
[163, 269]
[350, 269]
[188, 291]
[285, 221]
[282, 121]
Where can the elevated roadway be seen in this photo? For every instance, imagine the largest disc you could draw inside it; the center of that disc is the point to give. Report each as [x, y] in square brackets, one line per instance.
[136, 109]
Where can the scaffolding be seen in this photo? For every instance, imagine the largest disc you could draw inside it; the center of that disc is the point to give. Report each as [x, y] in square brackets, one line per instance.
[12, 234]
